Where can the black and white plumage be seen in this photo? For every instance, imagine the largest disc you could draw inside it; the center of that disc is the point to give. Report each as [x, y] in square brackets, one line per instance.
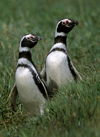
[59, 69]
[31, 87]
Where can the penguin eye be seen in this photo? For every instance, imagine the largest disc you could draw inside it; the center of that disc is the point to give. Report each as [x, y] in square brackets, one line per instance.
[28, 38]
[64, 22]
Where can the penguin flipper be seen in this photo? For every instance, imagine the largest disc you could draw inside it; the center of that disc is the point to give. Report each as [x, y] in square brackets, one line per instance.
[13, 97]
[73, 69]
[43, 73]
[76, 72]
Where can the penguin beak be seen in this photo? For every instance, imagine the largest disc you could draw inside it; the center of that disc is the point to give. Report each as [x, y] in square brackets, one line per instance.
[35, 38]
[39, 37]
[71, 23]
[74, 22]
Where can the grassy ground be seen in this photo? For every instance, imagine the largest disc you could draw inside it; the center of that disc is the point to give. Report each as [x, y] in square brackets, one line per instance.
[75, 110]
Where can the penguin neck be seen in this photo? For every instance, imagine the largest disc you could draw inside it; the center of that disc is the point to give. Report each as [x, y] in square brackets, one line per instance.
[60, 39]
[25, 53]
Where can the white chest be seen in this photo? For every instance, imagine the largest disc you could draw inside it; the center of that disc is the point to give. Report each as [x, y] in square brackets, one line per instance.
[29, 93]
[57, 68]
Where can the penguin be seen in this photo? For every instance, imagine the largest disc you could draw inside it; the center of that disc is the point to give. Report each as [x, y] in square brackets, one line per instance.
[59, 69]
[31, 88]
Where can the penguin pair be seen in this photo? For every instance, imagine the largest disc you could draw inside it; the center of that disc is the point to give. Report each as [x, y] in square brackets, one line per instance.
[58, 70]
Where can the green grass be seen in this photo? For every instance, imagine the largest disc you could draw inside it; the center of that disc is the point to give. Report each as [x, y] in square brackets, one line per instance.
[75, 110]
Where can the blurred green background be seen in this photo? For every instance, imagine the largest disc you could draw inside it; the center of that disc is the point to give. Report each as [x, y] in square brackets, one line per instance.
[75, 110]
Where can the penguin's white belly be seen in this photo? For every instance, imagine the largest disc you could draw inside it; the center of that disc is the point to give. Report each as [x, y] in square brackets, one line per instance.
[57, 68]
[29, 93]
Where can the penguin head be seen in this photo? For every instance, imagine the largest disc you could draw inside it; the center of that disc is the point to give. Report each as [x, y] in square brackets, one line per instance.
[65, 26]
[29, 40]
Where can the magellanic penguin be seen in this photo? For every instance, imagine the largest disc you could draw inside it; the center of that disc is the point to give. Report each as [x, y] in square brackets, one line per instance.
[59, 69]
[31, 87]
